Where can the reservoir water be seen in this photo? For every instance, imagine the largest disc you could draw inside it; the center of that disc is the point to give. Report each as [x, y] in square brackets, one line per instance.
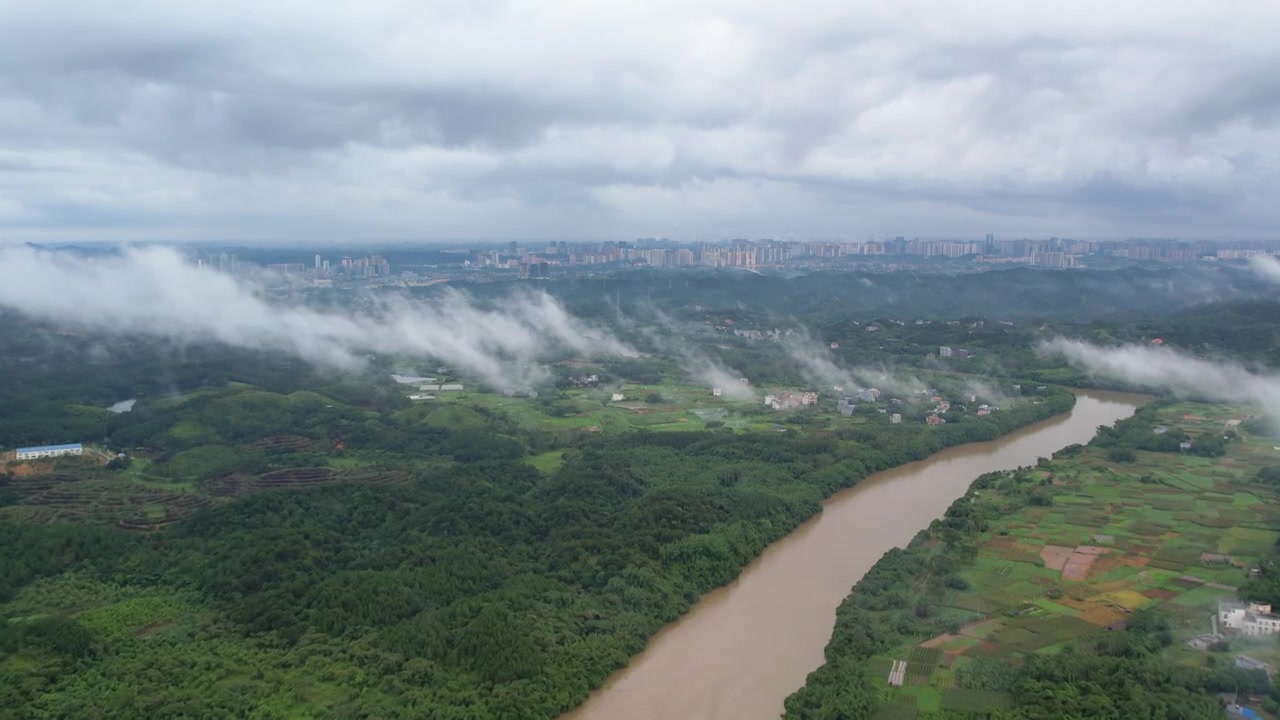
[742, 649]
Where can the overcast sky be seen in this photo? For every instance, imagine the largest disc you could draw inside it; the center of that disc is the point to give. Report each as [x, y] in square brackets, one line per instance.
[295, 121]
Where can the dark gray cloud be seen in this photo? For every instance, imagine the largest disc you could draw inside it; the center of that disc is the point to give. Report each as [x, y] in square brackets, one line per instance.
[499, 118]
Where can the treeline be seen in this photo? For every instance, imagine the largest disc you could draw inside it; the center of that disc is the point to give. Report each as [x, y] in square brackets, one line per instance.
[1021, 293]
[33, 551]
[1142, 431]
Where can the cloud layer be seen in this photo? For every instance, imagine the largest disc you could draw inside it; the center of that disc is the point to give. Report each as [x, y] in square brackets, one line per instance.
[153, 291]
[485, 118]
[1165, 370]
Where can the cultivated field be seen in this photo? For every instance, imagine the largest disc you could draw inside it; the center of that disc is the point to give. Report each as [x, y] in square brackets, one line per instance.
[1168, 530]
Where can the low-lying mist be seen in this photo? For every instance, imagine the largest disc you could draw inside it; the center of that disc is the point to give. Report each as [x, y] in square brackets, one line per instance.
[154, 291]
[1166, 370]
[1268, 266]
[700, 367]
[817, 366]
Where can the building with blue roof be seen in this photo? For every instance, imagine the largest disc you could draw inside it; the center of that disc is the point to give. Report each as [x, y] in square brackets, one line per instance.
[49, 451]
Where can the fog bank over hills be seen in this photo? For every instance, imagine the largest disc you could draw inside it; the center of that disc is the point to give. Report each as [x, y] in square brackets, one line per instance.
[154, 291]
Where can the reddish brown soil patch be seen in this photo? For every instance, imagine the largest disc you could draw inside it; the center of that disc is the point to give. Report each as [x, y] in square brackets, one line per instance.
[1104, 565]
[1056, 556]
[1134, 561]
[1078, 565]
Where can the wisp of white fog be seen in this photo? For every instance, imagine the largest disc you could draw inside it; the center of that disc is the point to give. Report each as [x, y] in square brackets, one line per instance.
[817, 366]
[153, 291]
[1163, 369]
[1267, 266]
[699, 366]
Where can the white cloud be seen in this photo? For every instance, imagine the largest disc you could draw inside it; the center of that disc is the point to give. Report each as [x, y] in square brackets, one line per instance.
[1268, 266]
[1165, 370]
[501, 117]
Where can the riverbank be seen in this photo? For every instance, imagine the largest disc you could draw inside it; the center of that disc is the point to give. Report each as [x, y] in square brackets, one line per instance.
[978, 608]
[744, 647]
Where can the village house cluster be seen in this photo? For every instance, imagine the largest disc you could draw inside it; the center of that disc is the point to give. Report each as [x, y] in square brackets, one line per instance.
[790, 400]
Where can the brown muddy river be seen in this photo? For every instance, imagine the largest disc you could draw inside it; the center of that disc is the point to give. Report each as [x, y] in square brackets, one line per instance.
[742, 649]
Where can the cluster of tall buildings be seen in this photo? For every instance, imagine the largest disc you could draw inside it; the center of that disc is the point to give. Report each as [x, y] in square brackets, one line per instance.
[346, 268]
[662, 253]
[371, 266]
[222, 262]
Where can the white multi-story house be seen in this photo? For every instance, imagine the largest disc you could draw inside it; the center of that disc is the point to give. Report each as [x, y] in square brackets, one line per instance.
[1249, 618]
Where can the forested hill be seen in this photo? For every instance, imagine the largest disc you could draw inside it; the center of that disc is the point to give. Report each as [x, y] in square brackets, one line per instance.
[1019, 293]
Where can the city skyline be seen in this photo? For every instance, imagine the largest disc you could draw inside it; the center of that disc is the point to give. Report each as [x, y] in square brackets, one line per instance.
[540, 260]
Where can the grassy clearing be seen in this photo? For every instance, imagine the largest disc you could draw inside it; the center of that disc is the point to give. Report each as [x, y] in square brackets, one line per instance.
[547, 462]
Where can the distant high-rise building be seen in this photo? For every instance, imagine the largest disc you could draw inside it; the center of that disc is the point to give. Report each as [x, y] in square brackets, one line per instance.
[317, 261]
